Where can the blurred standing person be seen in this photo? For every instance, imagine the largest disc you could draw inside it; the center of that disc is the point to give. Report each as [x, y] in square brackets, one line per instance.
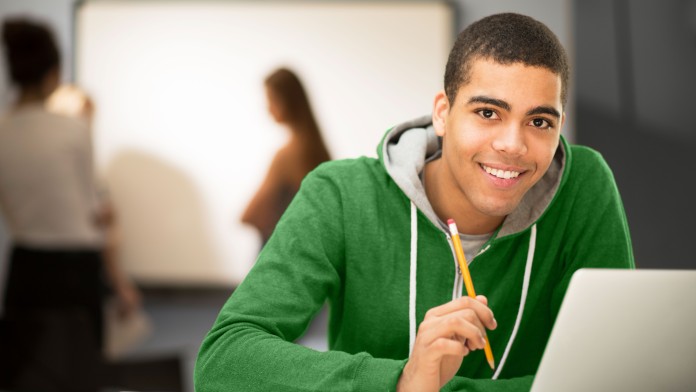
[71, 101]
[289, 106]
[54, 291]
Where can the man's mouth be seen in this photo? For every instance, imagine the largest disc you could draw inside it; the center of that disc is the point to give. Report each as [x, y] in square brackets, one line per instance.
[503, 174]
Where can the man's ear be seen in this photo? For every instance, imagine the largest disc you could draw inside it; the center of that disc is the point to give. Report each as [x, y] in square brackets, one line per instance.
[440, 111]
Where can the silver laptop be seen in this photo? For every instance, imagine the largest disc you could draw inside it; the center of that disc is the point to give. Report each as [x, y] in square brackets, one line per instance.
[623, 330]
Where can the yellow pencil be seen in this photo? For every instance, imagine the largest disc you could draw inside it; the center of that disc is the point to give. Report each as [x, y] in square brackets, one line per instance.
[461, 259]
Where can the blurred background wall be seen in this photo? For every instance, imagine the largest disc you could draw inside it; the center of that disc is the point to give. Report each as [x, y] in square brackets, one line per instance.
[631, 99]
[634, 89]
[183, 137]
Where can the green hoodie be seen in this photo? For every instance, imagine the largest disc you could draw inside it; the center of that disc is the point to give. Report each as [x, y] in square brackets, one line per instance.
[362, 235]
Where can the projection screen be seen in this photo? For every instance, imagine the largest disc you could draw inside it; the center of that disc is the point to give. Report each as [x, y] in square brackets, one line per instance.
[182, 135]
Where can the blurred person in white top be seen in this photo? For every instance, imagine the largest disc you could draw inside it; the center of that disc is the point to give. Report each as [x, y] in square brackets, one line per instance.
[54, 288]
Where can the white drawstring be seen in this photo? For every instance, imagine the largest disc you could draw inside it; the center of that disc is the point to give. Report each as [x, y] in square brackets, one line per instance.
[525, 289]
[412, 280]
[412, 289]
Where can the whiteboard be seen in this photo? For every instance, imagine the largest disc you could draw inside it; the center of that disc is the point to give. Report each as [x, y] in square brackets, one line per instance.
[181, 132]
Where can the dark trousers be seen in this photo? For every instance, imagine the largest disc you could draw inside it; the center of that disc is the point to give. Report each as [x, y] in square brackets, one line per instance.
[51, 335]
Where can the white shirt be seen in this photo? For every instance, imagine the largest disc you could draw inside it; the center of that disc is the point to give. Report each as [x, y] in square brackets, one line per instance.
[47, 188]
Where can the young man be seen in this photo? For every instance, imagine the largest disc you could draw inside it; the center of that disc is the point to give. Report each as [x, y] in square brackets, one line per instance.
[368, 236]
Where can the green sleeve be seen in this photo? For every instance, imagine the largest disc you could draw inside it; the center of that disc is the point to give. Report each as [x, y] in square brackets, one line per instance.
[462, 384]
[250, 347]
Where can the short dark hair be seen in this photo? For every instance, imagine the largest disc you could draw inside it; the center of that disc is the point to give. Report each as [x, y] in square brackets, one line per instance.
[31, 51]
[506, 39]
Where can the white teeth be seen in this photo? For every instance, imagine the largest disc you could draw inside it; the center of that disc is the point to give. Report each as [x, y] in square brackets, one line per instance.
[505, 174]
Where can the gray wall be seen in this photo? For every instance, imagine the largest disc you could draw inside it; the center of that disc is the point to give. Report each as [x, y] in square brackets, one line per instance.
[635, 82]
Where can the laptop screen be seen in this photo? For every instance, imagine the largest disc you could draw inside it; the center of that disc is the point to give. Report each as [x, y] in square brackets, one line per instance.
[623, 330]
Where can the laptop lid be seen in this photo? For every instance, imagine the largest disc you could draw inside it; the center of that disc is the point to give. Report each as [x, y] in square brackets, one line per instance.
[623, 330]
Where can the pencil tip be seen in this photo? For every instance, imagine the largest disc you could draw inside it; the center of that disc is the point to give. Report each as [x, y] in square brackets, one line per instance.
[491, 363]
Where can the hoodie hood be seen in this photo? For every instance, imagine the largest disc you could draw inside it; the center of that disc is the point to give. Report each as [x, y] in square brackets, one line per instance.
[406, 148]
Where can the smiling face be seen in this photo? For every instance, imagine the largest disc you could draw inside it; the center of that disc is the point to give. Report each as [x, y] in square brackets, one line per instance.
[499, 138]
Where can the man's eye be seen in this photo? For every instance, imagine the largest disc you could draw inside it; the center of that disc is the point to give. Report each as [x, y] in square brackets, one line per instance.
[487, 113]
[540, 123]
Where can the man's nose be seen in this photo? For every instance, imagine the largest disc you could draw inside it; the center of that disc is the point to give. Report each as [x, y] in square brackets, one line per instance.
[510, 140]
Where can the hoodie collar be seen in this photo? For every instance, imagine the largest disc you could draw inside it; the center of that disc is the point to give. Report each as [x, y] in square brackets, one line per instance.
[407, 147]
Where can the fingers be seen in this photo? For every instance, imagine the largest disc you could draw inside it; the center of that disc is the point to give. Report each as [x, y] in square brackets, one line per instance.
[463, 326]
[445, 346]
[447, 334]
[478, 305]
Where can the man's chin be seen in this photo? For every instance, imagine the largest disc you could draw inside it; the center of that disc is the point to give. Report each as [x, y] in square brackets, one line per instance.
[499, 210]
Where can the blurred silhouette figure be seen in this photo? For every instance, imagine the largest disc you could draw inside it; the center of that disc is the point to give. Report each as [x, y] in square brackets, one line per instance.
[289, 106]
[71, 101]
[52, 333]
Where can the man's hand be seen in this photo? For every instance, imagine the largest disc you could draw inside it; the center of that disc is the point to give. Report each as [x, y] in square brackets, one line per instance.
[447, 334]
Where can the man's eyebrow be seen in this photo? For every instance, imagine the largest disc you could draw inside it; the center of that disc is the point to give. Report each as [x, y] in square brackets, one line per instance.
[544, 110]
[550, 110]
[490, 101]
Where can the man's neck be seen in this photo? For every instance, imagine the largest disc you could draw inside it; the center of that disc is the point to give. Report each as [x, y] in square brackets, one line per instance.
[449, 202]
